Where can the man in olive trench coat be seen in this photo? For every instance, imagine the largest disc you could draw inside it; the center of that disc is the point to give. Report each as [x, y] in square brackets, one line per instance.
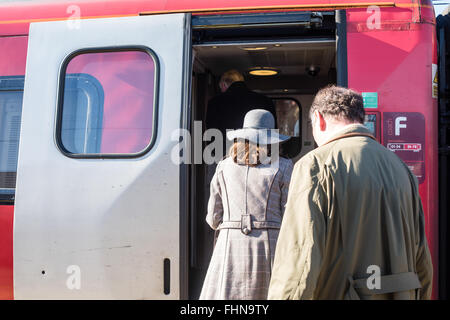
[353, 227]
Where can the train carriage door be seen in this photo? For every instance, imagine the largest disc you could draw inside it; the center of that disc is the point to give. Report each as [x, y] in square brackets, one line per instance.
[97, 204]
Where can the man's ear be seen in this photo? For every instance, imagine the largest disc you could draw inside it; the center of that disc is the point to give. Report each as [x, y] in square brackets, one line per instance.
[322, 122]
[223, 86]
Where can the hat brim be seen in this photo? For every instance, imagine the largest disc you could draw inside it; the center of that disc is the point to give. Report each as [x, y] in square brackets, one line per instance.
[258, 136]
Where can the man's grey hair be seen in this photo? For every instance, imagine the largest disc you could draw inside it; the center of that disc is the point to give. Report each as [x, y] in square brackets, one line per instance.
[339, 103]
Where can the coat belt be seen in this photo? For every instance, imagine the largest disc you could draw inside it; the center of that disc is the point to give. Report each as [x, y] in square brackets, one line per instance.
[254, 225]
[389, 284]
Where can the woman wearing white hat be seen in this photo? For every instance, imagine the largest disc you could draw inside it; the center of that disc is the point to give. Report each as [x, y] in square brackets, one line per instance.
[248, 195]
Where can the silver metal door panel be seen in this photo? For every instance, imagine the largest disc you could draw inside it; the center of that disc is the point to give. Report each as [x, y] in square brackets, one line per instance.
[115, 219]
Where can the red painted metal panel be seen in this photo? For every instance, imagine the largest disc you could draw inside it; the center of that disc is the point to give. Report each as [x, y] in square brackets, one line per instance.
[13, 51]
[6, 252]
[13, 55]
[15, 17]
[396, 62]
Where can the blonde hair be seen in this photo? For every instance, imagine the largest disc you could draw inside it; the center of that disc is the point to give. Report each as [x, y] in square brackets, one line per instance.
[231, 76]
[247, 153]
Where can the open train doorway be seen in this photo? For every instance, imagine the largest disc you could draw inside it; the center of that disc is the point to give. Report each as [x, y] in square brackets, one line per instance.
[298, 49]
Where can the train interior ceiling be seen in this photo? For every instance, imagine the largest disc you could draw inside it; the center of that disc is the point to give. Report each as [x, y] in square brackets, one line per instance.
[302, 67]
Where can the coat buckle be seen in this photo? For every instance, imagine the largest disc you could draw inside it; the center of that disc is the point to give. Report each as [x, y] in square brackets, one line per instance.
[246, 224]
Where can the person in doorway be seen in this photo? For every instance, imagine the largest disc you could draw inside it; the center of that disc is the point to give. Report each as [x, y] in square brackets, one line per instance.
[354, 224]
[228, 109]
[246, 205]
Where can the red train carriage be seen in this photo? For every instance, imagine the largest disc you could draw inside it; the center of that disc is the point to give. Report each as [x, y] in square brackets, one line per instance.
[92, 205]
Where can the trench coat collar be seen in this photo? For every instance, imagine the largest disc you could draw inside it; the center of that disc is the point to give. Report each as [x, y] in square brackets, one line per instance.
[349, 131]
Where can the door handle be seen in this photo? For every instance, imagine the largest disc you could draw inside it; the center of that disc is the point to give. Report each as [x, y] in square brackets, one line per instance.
[166, 276]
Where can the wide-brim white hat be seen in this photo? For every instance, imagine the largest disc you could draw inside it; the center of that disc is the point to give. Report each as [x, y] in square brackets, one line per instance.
[258, 128]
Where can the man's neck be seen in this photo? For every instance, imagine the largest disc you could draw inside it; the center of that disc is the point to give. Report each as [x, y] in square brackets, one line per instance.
[336, 128]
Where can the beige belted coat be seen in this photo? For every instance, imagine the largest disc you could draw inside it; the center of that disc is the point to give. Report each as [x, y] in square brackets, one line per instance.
[246, 205]
[353, 207]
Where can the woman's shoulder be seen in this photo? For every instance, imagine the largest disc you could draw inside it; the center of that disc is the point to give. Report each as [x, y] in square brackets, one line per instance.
[285, 164]
[224, 162]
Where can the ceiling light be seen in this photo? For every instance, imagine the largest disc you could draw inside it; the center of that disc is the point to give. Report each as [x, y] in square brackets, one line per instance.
[277, 45]
[254, 48]
[313, 70]
[263, 72]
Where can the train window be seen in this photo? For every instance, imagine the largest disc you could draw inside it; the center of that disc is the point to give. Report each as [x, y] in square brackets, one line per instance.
[108, 104]
[11, 94]
[289, 123]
